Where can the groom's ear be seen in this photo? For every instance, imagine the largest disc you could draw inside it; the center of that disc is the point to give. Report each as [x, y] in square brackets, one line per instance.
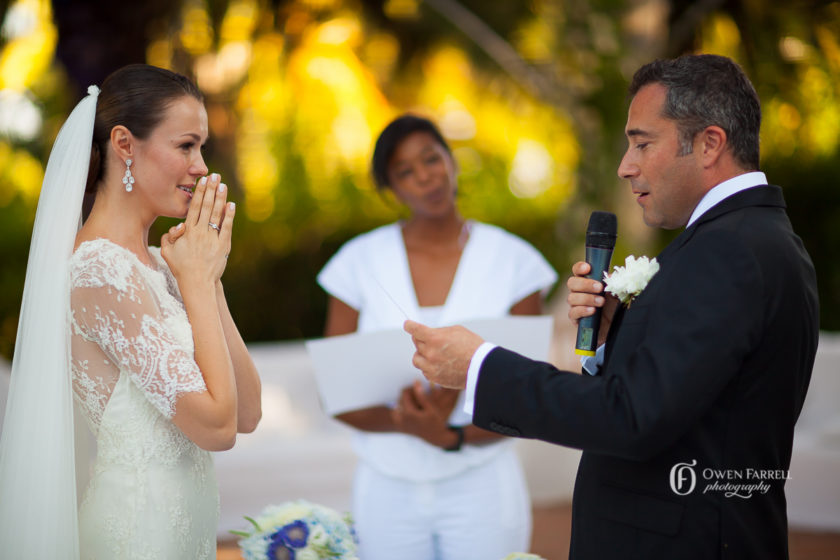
[712, 145]
[122, 142]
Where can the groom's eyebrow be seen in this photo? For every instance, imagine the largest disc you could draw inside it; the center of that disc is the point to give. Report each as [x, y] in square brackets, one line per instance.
[633, 132]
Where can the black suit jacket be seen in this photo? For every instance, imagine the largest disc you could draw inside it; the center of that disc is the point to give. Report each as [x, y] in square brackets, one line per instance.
[707, 368]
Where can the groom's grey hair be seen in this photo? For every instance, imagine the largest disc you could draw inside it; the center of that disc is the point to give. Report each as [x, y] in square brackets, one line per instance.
[707, 90]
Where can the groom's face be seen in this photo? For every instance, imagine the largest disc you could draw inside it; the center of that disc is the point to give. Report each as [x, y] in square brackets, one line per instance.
[666, 185]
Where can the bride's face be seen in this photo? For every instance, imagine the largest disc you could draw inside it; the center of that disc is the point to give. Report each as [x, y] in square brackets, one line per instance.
[169, 161]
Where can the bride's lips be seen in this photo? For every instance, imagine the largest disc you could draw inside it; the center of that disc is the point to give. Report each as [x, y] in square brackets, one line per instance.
[187, 189]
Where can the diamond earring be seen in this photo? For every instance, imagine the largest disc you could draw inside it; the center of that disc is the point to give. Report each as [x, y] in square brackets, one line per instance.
[128, 179]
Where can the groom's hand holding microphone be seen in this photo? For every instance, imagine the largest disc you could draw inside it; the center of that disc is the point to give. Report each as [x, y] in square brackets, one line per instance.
[587, 295]
[590, 308]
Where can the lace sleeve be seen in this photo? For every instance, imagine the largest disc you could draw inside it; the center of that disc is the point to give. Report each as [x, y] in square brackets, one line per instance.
[119, 309]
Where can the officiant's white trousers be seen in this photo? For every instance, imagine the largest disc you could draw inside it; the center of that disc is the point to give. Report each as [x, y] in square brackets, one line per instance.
[483, 513]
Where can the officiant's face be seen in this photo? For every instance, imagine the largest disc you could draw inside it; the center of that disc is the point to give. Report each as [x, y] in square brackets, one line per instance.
[423, 175]
[169, 161]
[666, 184]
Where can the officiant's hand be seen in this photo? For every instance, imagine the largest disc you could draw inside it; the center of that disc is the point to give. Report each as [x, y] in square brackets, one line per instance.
[442, 398]
[586, 294]
[443, 354]
[425, 414]
[196, 251]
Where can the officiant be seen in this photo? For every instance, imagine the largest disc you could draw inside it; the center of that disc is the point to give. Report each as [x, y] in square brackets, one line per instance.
[686, 425]
[429, 485]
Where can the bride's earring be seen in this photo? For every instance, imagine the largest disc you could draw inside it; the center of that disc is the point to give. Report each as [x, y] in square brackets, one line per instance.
[128, 179]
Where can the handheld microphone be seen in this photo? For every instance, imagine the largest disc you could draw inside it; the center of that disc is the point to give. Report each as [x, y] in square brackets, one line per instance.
[600, 242]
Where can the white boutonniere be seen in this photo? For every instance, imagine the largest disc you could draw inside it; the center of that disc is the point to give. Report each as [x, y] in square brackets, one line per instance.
[626, 282]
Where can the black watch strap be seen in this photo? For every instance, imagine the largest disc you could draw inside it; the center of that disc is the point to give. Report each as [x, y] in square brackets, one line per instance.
[459, 431]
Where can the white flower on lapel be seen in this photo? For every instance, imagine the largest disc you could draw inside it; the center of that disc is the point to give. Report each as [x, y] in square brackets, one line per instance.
[626, 282]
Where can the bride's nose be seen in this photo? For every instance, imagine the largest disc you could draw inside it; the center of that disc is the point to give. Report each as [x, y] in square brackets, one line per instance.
[198, 167]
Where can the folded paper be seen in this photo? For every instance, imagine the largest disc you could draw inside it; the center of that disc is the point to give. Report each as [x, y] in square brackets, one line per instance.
[357, 371]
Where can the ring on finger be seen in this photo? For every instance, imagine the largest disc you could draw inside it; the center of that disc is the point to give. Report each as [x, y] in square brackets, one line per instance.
[214, 226]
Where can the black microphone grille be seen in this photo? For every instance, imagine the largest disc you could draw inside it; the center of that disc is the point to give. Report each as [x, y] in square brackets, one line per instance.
[602, 230]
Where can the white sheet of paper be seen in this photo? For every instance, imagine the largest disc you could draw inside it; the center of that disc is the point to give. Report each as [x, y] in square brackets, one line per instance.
[361, 370]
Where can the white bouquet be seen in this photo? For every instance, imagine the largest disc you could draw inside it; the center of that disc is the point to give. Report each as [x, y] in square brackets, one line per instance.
[522, 556]
[299, 530]
[626, 282]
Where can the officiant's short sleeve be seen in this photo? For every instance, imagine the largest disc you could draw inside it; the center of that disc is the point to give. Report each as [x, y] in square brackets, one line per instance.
[511, 267]
[341, 277]
[533, 273]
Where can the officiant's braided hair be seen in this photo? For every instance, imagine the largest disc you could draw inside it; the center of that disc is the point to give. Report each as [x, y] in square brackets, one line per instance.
[390, 138]
[706, 90]
[135, 96]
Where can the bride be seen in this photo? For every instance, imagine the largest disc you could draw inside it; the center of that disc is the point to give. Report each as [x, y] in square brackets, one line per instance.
[140, 336]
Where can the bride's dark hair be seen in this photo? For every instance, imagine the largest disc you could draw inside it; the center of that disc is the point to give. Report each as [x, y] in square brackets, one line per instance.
[135, 96]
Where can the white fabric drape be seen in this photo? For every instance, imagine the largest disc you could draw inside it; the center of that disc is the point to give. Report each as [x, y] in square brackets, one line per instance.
[38, 516]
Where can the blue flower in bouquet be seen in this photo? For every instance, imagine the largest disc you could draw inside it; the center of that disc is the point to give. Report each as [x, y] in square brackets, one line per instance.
[287, 539]
[299, 530]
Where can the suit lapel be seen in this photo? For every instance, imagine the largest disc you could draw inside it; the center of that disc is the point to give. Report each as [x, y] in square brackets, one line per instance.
[614, 327]
[766, 195]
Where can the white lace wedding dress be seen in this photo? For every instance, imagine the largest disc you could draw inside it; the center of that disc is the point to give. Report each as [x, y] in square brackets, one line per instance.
[153, 492]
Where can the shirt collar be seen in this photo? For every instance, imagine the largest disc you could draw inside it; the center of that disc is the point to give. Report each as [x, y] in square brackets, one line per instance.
[726, 189]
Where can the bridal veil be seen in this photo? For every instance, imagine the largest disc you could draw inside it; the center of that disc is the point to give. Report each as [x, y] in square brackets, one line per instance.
[38, 516]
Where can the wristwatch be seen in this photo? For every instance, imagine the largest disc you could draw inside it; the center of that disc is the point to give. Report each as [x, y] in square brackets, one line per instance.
[459, 431]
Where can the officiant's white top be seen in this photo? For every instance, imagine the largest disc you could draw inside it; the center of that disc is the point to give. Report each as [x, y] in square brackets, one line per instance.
[496, 270]
[153, 492]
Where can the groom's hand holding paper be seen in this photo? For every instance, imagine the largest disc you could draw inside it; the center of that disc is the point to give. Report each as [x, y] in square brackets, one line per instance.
[443, 354]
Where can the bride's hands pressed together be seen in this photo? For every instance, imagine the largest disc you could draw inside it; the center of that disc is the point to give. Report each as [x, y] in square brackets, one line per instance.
[197, 254]
[197, 250]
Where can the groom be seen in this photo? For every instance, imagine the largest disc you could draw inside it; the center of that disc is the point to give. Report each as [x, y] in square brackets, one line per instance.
[687, 424]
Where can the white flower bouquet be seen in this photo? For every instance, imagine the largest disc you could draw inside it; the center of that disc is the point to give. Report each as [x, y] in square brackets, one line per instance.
[299, 530]
[626, 282]
[522, 556]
